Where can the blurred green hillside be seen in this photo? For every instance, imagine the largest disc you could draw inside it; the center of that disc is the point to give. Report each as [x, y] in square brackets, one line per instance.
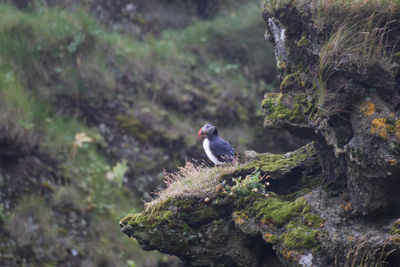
[92, 112]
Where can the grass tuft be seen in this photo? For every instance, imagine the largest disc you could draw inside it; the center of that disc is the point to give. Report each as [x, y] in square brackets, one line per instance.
[192, 180]
[364, 34]
[358, 34]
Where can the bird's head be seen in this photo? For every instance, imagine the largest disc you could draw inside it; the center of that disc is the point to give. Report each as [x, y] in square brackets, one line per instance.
[207, 130]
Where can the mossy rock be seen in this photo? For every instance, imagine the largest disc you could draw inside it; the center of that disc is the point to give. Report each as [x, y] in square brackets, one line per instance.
[281, 163]
[313, 220]
[278, 107]
[395, 228]
[278, 212]
[300, 237]
[238, 208]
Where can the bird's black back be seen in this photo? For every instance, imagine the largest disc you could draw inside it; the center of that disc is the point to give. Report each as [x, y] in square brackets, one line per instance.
[221, 148]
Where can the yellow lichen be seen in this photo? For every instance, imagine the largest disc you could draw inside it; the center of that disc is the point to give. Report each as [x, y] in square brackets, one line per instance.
[380, 127]
[346, 207]
[270, 238]
[239, 218]
[367, 108]
[290, 254]
[385, 128]
[397, 129]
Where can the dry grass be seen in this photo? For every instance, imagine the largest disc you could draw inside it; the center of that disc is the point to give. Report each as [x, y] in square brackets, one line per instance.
[363, 33]
[363, 257]
[333, 13]
[192, 180]
[358, 33]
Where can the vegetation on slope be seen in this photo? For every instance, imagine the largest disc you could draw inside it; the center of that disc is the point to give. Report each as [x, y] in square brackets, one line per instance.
[93, 110]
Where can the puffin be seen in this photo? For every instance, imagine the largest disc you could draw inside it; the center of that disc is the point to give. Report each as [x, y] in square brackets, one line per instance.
[218, 150]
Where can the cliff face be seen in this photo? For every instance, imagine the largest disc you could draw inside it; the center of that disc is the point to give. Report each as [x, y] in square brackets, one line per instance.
[340, 75]
[331, 203]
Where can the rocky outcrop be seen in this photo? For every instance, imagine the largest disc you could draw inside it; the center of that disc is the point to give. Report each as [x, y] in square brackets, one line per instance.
[340, 84]
[227, 224]
[271, 211]
[331, 203]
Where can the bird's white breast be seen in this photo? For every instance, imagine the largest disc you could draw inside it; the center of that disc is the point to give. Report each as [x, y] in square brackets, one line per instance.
[206, 145]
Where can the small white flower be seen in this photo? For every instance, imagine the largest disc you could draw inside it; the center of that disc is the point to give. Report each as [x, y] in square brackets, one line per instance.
[255, 189]
[110, 176]
[81, 138]
[74, 252]
[206, 199]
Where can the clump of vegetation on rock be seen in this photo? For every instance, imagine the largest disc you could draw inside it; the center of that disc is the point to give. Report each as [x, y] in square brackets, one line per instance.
[204, 199]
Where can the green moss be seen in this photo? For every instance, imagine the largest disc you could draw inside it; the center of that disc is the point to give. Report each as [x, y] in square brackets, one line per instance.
[395, 228]
[276, 109]
[294, 217]
[242, 202]
[278, 212]
[150, 218]
[192, 211]
[291, 80]
[247, 185]
[303, 42]
[272, 104]
[271, 238]
[313, 220]
[272, 163]
[300, 237]
[195, 211]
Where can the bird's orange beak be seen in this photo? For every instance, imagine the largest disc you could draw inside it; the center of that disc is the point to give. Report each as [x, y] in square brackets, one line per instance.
[200, 133]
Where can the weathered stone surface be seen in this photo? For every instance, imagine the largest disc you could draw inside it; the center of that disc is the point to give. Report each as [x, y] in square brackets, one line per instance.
[346, 98]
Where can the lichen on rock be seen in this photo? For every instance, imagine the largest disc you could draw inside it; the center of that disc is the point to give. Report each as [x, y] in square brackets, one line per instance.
[337, 92]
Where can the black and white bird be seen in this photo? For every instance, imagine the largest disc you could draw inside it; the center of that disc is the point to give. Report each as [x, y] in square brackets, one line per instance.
[217, 149]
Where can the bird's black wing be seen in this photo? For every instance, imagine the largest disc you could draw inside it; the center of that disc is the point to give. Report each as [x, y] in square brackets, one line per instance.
[222, 150]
